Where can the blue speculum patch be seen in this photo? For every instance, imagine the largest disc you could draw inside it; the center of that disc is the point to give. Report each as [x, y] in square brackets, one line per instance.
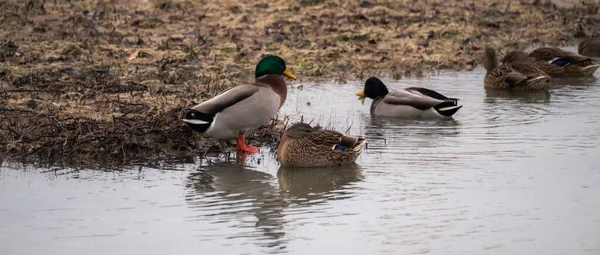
[560, 62]
[340, 147]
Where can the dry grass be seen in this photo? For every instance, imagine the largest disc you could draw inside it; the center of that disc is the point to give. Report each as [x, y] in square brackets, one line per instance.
[104, 78]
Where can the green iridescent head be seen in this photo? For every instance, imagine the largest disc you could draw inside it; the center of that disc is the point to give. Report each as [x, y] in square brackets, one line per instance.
[272, 65]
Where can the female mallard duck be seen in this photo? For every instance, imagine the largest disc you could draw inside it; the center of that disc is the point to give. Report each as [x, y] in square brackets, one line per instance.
[411, 102]
[590, 47]
[245, 107]
[501, 76]
[572, 63]
[304, 146]
[531, 67]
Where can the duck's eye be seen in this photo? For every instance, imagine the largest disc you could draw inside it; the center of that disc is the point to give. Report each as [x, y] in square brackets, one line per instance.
[193, 114]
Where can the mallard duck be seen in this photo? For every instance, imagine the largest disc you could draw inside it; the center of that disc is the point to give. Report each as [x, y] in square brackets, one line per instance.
[502, 76]
[590, 47]
[304, 146]
[245, 107]
[520, 61]
[572, 63]
[413, 102]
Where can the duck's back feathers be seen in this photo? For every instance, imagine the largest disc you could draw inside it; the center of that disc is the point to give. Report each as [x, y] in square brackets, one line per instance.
[226, 99]
[531, 67]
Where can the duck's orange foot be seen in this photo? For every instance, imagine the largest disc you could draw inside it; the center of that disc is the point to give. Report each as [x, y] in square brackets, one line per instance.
[241, 145]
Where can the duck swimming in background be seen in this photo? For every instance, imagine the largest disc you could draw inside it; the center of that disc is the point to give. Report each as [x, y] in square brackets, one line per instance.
[241, 109]
[572, 63]
[590, 48]
[503, 76]
[304, 146]
[413, 102]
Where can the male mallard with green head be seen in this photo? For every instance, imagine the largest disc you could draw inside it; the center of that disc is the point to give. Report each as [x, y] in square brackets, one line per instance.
[501, 76]
[572, 63]
[413, 102]
[304, 146]
[245, 107]
[590, 47]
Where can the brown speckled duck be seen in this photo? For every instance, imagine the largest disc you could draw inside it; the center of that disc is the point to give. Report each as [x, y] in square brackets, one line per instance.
[523, 63]
[590, 47]
[245, 107]
[572, 63]
[501, 76]
[413, 102]
[304, 146]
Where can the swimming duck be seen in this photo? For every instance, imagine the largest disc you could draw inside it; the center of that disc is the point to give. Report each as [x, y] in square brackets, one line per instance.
[572, 63]
[304, 146]
[502, 76]
[245, 107]
[590, 47]
[521, 62]
[413, 102]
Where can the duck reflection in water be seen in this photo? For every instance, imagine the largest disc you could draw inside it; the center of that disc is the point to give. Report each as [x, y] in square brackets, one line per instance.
[537, 96]
[318, 183]
[228, 192]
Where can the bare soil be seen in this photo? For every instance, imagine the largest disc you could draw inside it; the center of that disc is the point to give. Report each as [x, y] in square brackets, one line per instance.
[110, 80]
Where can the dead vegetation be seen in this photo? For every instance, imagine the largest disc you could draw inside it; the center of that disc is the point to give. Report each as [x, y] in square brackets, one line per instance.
[110, 79]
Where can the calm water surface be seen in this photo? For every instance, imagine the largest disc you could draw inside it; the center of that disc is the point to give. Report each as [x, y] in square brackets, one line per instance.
[510, 174]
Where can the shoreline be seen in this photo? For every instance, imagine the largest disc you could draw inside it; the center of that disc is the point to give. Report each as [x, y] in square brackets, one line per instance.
[109, 80]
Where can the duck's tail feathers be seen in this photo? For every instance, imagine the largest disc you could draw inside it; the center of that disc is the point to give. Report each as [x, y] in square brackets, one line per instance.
[543, 78]
[195, 122]
[359, 146]
[350, 142]
[447, 108]
[591, 67]
[199, 121]
[595, 59]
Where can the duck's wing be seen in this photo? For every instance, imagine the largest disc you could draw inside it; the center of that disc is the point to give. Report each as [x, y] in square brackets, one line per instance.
[226, 99]
[327, 138]
[423, 99]
[335, 140]
[429, 93]
[514, 78]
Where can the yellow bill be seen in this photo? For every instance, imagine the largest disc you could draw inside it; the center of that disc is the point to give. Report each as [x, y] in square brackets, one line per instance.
[361, 97]
[289, 74]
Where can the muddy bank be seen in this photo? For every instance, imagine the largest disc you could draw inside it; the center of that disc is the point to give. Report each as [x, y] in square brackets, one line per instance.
[110, 79]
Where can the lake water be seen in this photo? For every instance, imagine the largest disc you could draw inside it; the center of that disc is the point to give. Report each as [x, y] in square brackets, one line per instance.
[510, 174]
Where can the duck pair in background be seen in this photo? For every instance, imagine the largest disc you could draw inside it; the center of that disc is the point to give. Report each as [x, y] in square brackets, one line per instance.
[532, 71]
